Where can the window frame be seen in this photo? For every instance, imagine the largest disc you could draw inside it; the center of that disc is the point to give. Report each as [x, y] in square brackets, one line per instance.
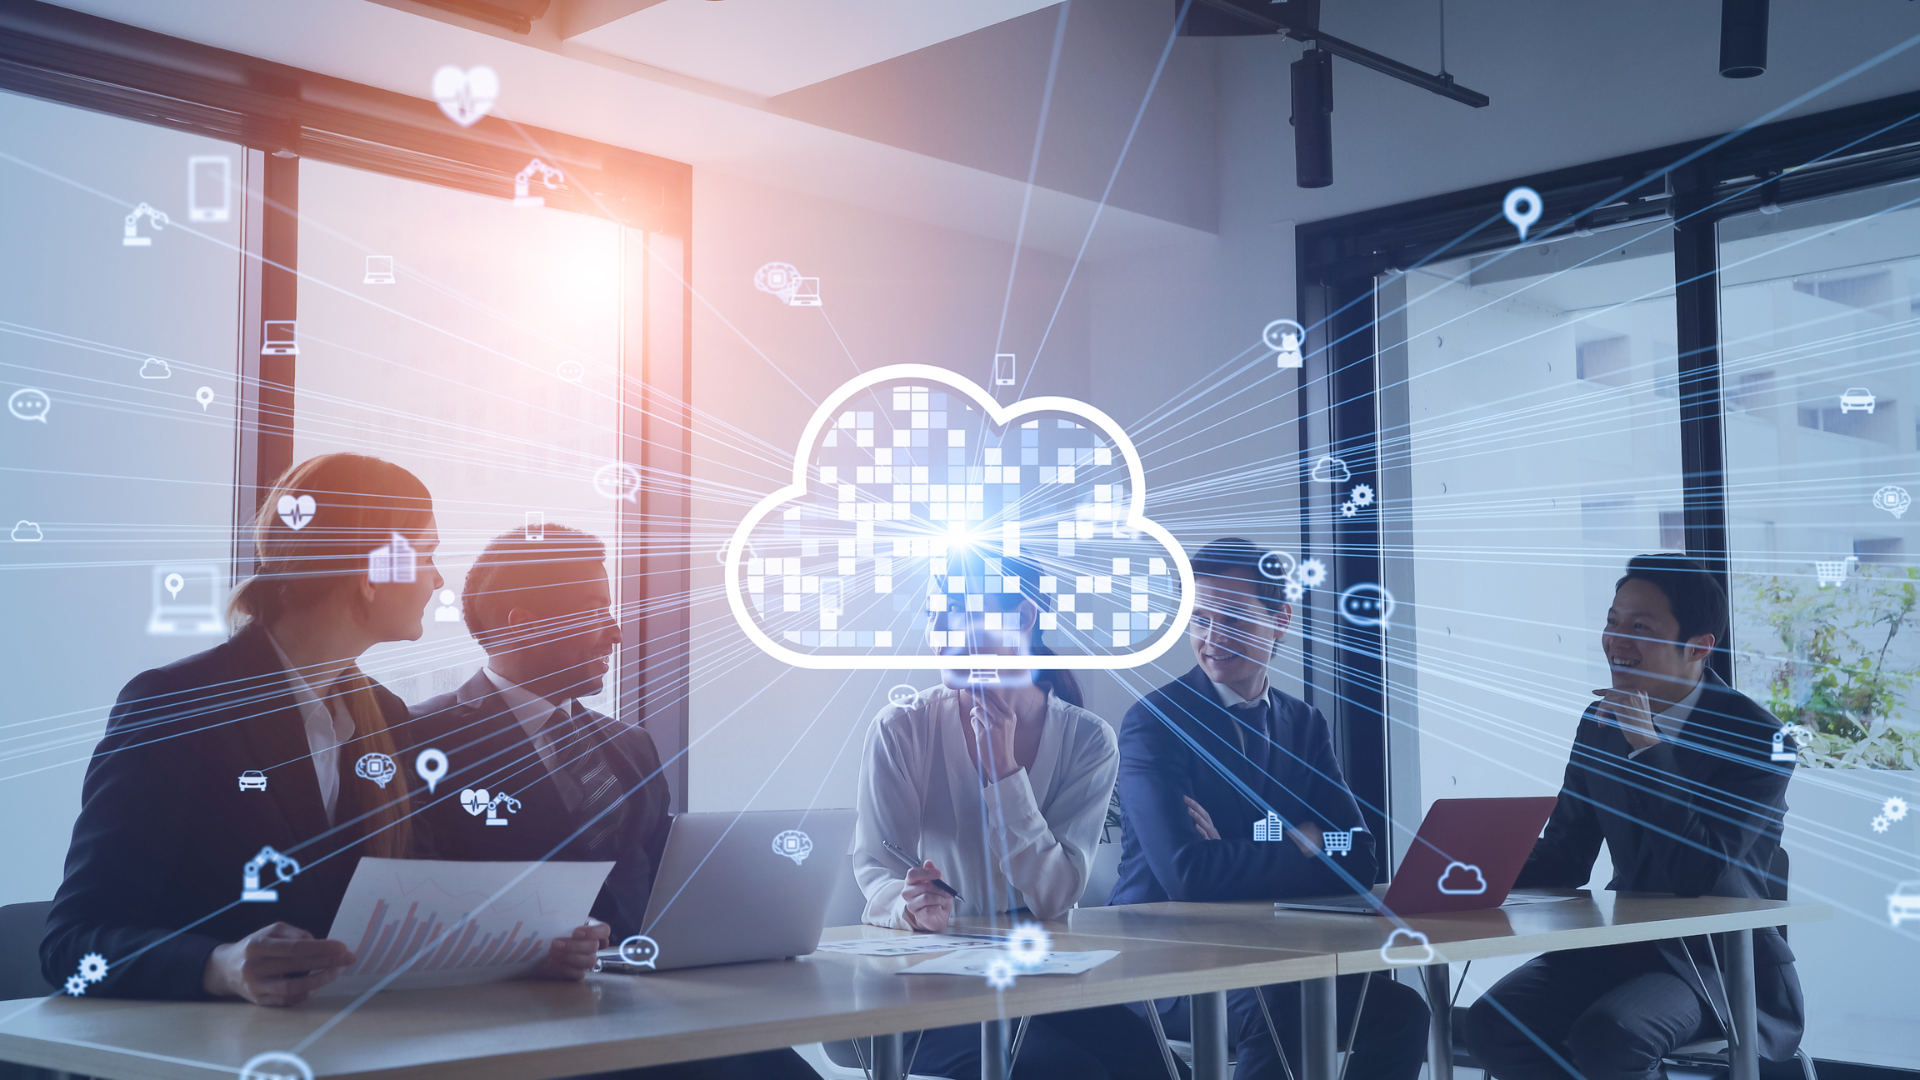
[1338, 266]
[282, 114]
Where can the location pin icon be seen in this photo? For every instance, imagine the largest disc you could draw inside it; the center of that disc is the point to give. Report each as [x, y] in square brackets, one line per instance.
[431, 765]
[1522, 208]
[174, 584]
[204, 396]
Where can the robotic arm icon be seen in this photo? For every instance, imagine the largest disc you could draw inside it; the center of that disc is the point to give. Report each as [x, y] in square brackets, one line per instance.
[523, 181]
[493, 809]
[284, 867]
[133, 237]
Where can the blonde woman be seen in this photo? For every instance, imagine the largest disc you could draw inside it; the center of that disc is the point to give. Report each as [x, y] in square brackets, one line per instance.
[222, 772]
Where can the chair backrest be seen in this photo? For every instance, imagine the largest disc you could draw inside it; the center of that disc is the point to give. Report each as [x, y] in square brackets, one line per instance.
[21, 928]
[1777, 881]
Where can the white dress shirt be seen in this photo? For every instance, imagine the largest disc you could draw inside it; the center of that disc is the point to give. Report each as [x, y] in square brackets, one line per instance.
[532, 711]
[1023, 842]
[328, 725]
[1670, 720]
[1231, 698]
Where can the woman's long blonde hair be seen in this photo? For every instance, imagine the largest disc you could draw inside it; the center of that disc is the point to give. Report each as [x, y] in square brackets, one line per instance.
[358, 504]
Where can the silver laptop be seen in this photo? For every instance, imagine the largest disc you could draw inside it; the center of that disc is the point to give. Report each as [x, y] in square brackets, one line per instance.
[735, 887]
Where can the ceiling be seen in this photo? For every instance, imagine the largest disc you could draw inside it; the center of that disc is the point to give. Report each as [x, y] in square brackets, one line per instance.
[768, 47]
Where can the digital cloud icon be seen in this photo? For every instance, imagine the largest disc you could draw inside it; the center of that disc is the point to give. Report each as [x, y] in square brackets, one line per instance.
[1330, 470]
[1462, 879]
[152, 368]
[1404, 939]
[917, 501]
[27, 532]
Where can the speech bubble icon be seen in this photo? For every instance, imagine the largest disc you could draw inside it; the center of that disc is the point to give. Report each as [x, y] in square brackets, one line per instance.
[571, 370]
[640, 951]
[29, 404]
[903, 696]
[431, 765]
[204, 396]
[276, 1065]
[618, 480]
[1276, 566]
[174, 583]
[1366, 604]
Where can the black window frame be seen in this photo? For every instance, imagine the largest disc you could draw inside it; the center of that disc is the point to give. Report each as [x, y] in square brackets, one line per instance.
[1338, 263]
[280, 115]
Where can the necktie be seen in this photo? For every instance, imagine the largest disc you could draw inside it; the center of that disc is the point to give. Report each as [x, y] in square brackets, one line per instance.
[1251, 719]
[581, 769]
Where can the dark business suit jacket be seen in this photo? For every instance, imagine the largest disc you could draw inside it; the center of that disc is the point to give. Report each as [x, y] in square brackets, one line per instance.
[487, 748]
[1181, 741]
[1698, 816]
[153, 873]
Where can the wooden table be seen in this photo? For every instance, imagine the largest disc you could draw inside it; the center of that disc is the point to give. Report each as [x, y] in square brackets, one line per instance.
[1355, 942]
[532, 1030]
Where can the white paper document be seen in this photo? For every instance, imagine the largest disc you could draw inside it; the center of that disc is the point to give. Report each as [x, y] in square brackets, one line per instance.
[450, 923]
[974, 962]
[917, 945]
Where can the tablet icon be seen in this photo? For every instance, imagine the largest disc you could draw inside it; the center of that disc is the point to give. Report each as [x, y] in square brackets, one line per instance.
[1462, 879]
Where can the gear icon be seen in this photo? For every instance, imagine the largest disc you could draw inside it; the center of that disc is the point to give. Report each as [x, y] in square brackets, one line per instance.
[1293, 591]
[93, 967]
[1312, 573]
[76, 985]
[1000, 974]
[1881, 824]
[1895, 808]
[1347, 509]
[1028, 945]
[1362, 495]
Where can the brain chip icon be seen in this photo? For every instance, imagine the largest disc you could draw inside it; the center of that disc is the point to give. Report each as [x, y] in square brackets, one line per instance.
[794, 844]
[927, 525]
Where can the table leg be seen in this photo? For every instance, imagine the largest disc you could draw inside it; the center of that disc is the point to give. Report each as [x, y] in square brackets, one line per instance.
[1744, 1049]
[1440, 1029]
[1319, 1028]
[995, 1041]
[889, 1057]
[1209, 1021]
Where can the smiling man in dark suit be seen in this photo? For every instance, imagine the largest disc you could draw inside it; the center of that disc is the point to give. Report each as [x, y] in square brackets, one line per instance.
[1190, 752]
[590, 787]
[1674, 770]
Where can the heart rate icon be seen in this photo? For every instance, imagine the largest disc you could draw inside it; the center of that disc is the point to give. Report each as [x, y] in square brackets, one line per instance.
[297, 511]
[466, 96]
[474, 800]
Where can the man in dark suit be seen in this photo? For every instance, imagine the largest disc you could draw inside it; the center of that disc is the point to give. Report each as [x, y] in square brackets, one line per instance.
[590, 787]
[1672, 768]
[1203, 758]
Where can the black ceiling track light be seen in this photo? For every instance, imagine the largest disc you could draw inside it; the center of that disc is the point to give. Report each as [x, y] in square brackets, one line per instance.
[1313, 73]
[1743, 38]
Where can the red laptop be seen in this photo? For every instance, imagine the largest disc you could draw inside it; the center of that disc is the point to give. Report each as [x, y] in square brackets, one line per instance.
[1465, 857]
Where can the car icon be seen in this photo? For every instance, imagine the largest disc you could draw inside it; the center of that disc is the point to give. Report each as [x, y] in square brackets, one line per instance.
[1904, 903]
[253, 780]
[1856, 399]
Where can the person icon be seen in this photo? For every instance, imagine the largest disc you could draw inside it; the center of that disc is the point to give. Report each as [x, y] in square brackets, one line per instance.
[448, 611]
[1283, 336]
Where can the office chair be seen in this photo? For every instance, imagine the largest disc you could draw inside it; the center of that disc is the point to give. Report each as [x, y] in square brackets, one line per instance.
[21, 928]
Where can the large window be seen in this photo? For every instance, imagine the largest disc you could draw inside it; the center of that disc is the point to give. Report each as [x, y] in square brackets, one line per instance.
[1818, 319]
[118, 336]
[477, 343]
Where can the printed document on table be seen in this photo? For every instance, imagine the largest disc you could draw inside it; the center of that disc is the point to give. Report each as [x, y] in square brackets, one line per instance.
[439, 923]
[975, 961]
[917, 945]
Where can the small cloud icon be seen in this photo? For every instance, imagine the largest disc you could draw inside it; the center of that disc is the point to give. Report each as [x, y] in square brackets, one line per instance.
[155, 369]
[1403, 938]
[1331, 470]
[27, 532]
[1462, 879]
[917, 500]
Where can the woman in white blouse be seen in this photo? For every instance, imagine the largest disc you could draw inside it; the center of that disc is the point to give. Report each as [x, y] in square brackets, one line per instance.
[999, 789]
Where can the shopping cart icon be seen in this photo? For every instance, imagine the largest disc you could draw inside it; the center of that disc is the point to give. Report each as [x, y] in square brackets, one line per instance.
[1833, 573]
[1338, 843]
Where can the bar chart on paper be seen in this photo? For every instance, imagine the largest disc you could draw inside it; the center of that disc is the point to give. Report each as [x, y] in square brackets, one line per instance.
[419, 923]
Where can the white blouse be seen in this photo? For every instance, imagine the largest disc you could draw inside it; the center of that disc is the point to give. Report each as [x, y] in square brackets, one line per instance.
[1023, 842]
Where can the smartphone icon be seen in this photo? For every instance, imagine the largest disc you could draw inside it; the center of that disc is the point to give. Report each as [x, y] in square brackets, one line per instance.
[536, 524]
[1003, 369]
[209, 187]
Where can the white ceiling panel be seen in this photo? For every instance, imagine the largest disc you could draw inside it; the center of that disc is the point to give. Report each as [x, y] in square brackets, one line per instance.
[769, 47]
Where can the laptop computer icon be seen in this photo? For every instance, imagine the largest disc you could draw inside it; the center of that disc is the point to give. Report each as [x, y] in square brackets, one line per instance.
[735, 887]
[806, 293]
[278, 339]
[185, 602]
[1465, 857]
[379, 270]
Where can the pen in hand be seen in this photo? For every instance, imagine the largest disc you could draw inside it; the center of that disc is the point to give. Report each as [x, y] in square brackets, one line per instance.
[912, 865]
